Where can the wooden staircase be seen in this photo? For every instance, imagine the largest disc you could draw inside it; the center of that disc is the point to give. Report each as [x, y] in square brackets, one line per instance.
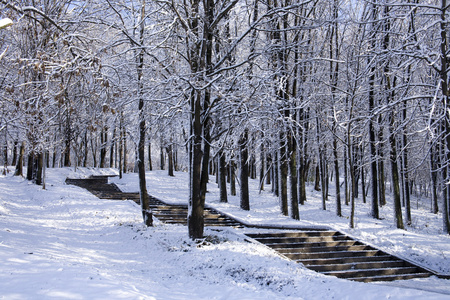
[171, 214]
[326, 251]
[333, 253]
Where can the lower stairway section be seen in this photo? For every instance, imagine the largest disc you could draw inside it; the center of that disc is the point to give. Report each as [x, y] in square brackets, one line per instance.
[333, 253]
[326, 251]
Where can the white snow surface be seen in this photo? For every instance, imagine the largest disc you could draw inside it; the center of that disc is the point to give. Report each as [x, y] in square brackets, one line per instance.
[65, 243]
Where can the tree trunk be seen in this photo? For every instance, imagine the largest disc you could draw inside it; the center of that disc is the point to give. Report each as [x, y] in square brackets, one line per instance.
[434, 175]
[252, 166]
[373, 168]
[380, 167]
[445, 104]
[124, 152]
[170, 159]
[222, 177]
[346, 194]
[232, 178]
[19, 164]
[121, 151]
[243, 174]
[111, 149]
[405, 175]
[103, 141]
[395, 176]
[195, 214]
[322, 170]
[143, 195]
[14, 159]
[363, 184]
[30, 166]
[150, 166]
[283, 174]
[161, 158]
[206, 153]
[67, 141]
[317, 178]
[352, 178]
[372, 135]
[86, 149]
[261, 170]
[38, 165]
[93, 149]
[275, 177]
[268, 168]
[337, 179]
[302, 163]
[292, 149]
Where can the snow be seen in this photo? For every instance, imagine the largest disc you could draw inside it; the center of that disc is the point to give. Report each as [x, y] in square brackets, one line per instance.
[64, 243]
[5, 23]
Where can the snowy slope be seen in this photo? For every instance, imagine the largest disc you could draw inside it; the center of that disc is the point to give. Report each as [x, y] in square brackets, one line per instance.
[64, 243]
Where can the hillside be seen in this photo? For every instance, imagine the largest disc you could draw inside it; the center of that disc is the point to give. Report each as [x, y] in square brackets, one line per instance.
[64, 243]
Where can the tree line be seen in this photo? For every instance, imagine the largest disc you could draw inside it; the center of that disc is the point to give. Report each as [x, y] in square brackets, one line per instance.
[350, 93]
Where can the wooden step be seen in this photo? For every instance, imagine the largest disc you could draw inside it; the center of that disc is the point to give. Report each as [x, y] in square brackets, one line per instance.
[336, 254]
[168, 208]
[345, 260]
[372, 272]
[359, 265]
[293, 248]
[294, 234]
[317, 244]
[304, 245]
[391, 277]
[306, 239]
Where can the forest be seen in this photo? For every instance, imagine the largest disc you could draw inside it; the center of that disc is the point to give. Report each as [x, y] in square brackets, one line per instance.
[348, 96]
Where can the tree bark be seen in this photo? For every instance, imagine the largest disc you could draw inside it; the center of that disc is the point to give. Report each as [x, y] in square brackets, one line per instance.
[14, 159]
[337, 179]
[30, 166]
[261, 169]
[150, 166]
[121, 147]
[445, 104]
[19, 164]
[283, 174]
[195, 213]
[161, 158]
[292, 149]
[222, 177]
[405, 172]
[372, 135]
[143, 195]
[111, 149]
[169, 149]
[243, 174]
[395, 176]
[103, 141]
[232, 178]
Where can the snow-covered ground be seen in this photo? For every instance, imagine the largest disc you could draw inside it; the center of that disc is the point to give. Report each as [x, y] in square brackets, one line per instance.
[64, 243]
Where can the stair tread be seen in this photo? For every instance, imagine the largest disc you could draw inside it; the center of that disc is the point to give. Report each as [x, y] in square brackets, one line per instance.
[369, 270]
[390, 277]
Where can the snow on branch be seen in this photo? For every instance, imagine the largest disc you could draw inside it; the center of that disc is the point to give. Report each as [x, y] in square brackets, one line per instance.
[5, 23]
[26, 9]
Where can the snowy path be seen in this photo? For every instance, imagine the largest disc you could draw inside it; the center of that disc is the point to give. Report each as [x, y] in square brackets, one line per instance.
[64, 243]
